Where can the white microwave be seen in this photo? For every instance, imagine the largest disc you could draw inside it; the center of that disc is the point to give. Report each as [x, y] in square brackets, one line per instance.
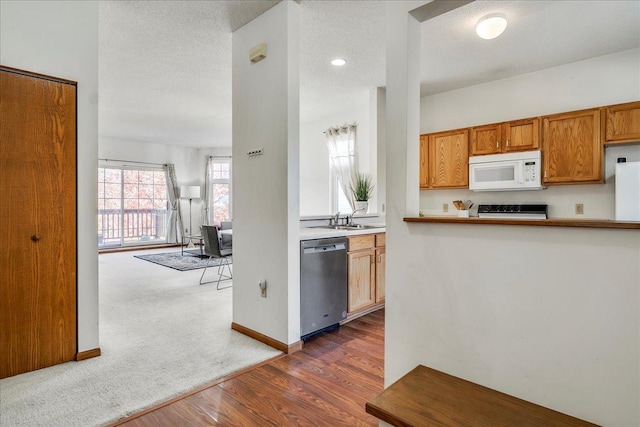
[506, 172]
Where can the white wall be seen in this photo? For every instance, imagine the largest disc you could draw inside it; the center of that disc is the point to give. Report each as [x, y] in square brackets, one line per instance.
[378, 110]
[60, 38]
[316, 193]
[605, 80]
[550, 315]
[266, 192]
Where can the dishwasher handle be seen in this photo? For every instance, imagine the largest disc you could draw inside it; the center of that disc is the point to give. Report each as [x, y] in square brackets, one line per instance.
[325, 248]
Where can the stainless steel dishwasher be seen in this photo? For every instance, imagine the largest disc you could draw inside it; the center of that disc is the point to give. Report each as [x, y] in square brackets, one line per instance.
[323, 284]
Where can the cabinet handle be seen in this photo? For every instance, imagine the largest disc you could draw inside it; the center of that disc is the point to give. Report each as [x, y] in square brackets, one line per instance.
[507, 142]
[373, 259]
[433, 181]
[497, 144]
[545, 173]
[35, 237]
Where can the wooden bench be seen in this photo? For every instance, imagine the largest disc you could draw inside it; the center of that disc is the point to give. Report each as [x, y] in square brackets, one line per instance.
[426, 397]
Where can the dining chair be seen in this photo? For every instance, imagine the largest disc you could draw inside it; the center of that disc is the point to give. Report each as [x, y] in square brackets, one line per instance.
[212, 247]
[226, 239]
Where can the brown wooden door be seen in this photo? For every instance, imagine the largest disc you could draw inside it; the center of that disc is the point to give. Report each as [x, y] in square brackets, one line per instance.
[38, 227]
[522, 135]
[449, 159]
[572, 148]
[486, 139]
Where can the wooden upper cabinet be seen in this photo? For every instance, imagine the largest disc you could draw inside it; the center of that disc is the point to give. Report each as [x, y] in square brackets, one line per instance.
[521, 135]
[449, 159]
[486, 139]
[517, 135]
[572, 148]
[622, 123]
[424, 161]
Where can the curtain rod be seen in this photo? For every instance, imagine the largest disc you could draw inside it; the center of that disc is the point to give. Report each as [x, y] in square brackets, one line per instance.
[131, 161]
[351, 126]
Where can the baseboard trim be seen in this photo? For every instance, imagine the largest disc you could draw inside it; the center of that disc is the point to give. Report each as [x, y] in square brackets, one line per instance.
[136, 248]
[83, 355]
[354, 316]
[287, 348]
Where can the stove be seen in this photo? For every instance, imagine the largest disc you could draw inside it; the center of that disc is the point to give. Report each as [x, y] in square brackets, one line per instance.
[513, 211]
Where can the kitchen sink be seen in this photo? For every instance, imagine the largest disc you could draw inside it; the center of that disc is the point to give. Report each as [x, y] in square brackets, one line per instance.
[349, 227]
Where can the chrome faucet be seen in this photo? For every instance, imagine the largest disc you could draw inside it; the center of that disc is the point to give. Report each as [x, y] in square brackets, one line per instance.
[352, 214]
[336, 218]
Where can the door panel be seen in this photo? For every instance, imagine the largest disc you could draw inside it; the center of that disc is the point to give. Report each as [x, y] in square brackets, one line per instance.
[361, 279]
[38, 257]
[486, 139]
[522, 135]
[381, 262]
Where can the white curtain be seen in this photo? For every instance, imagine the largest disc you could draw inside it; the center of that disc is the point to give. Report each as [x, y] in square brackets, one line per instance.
[342, 152]
[174, 223]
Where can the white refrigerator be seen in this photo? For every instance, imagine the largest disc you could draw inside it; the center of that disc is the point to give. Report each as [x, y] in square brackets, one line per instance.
[628, 191]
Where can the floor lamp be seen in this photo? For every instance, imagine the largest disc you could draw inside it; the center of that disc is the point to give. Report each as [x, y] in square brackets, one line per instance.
[190, 192]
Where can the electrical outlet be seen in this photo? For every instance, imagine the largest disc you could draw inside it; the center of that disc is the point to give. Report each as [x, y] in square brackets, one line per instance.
[263, 288]
[445, 207]
[579, 209]
[186, 230]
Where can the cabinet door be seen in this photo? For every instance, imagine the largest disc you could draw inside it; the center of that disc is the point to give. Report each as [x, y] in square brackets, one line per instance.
[572, 150]
[424, 161]
[380, 273]
[486, 140]
[623, 123]
[449, 159]
[361, 279]
[522, 135]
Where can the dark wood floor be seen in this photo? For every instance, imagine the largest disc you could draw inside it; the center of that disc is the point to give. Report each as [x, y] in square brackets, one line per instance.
[327, 383]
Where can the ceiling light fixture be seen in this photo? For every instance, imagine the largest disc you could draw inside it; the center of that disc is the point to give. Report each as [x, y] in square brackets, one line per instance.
[338, 62]
[491, 26]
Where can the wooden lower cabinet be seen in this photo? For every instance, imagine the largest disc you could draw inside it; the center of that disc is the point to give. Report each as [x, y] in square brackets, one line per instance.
[380, 273]
[366, 271]
[361, 279]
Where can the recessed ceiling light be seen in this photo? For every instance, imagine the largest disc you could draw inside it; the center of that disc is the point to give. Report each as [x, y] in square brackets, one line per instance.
[338, 62]
[491, 26]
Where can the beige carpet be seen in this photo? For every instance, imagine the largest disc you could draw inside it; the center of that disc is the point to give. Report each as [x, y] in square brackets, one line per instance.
[161, 334]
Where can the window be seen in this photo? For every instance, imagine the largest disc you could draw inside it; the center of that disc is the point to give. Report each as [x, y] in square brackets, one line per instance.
[340, 200]
[219, 197]
[132, 206]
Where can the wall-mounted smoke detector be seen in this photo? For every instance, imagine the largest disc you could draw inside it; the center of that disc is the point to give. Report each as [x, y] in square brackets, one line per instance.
[491, 26]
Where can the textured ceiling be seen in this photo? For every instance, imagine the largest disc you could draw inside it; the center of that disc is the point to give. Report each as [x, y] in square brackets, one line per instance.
[165, 66]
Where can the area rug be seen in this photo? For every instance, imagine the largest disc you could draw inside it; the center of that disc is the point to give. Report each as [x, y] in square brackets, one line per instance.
[161, 334]
[180, 262]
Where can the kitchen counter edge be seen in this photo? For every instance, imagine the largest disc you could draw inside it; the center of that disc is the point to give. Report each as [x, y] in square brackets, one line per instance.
[321, 233]
[554, 222]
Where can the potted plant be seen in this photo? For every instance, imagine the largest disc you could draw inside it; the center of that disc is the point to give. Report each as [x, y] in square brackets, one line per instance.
[362, 191]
